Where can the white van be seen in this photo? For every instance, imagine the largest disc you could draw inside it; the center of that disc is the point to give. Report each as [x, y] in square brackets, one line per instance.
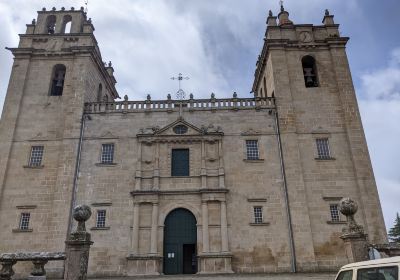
[381, 269]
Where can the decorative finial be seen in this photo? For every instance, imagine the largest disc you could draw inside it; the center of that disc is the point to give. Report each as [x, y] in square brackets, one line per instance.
[33, 21]
[281, 4]
[191, 96]
[90, 20]
[327, 12]
[169, 96]
[72, 8]
[109, 64]
[148, 97]
[53, 9]
[62, 9]
[43, 9]
[81, 214]
[125, 97]
[234, 94]
[180, 94]
[212, 95]
[82, 8]
[270, 13]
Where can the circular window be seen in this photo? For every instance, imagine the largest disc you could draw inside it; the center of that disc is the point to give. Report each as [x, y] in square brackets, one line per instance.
[180, 129]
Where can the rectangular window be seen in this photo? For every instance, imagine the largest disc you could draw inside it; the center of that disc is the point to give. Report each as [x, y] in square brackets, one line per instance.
[36, 156]
[252, 149]
[384, 273]
[258, 215]
[101, 219]
[24, 221]
[345, 275]
[180, 162]
[107, 153]
[323, 148]
[335, 215]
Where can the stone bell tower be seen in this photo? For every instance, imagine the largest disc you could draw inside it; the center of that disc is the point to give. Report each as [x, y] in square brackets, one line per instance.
[325, 155]
[57, 67]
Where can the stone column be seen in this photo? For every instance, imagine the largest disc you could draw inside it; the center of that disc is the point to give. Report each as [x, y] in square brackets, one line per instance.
[154, 229]
[204, 214]
[138, 176]
[156, 172]
[224, 228]
[355, 240]
[203, 166]
[135, 229]
[221, 170]
[78, 246]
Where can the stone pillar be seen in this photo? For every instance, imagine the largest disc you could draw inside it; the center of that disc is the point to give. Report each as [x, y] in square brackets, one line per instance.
[154, 229]
[203, 166]
[204, 216]
[224, 228]
[355, 240]
[135, 229]
[138, 176]
[78, 246]
[7, 271]
[221, 170]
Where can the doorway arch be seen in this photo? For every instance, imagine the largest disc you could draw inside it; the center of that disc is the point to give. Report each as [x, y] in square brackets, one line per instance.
[180, 239]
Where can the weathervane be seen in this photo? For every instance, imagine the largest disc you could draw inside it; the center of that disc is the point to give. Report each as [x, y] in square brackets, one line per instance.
[281, 4]
[86, 6]
[180, 94]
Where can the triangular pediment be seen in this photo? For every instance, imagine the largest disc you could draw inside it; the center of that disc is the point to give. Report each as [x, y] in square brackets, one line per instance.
[180, 127]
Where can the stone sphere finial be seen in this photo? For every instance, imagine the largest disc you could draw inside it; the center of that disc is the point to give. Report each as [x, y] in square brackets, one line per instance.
[43, 9]
[53, 9]
[191, 96]
[81, 214]
[148, 97]
[348, 207]
[62, 8]
[270, 13]
[34, 21]
[125, 97]
[169, 96]
[235, 95]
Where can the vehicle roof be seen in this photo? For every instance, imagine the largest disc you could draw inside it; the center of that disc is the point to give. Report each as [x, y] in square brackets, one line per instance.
[373, 262]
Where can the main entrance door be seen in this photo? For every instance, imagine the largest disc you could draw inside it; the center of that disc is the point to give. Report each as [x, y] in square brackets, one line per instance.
[180, 238]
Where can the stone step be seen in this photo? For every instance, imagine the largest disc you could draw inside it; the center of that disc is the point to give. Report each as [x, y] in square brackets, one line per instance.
[278, 276]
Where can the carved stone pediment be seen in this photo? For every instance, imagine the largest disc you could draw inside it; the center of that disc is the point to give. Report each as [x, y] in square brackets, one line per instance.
[180, 128]
[251, 132]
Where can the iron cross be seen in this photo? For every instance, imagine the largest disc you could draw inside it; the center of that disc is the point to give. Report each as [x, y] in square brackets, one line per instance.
[180, 94]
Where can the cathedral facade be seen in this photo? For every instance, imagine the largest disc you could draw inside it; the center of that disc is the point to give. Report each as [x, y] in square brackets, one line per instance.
[231, 185]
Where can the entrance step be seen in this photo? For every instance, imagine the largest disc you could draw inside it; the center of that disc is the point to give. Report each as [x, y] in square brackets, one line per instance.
[278, 276]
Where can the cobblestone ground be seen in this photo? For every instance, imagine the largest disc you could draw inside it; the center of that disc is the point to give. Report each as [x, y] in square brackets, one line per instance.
[298, 276]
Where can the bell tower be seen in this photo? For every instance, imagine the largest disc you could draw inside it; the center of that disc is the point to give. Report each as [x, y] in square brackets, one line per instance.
[324, 151]
[57, 68]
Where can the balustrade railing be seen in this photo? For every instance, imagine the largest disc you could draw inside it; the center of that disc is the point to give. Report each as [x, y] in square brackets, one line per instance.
[190, 104]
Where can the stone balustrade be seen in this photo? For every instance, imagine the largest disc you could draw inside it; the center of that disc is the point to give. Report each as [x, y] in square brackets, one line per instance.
[39, 260]
[189, 104]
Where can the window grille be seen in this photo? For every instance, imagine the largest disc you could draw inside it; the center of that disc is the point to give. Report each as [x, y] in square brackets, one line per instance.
[252, 149]
[323, 148]
[107, 153]
[335, 215]
[258, 215]
[180, 162]
[101, 219]
[36, 156]
[24, 221]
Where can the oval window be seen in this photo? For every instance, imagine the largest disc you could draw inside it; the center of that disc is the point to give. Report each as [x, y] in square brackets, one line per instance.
[180, 129]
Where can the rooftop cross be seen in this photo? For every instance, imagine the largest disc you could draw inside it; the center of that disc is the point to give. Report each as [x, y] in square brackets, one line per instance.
[281, 4]
[180, 94]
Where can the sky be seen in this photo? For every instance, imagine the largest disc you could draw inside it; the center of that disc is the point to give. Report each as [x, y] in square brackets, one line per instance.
[216, 44]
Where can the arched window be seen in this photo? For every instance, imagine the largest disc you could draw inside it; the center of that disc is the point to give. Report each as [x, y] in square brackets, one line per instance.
[66, 24]
[51, 24]
[309, 71]
[100, 93]
[57, 81]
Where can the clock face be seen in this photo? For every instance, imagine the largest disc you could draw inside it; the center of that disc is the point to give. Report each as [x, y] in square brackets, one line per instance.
[305, 37]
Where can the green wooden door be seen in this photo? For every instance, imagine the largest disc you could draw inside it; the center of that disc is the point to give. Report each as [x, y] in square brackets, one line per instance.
[180, 233]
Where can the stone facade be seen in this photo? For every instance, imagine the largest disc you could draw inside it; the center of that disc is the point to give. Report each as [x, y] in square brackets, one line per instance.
[289, 181]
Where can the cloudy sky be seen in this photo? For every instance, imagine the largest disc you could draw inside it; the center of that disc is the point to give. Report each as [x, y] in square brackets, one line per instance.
[216, 43]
